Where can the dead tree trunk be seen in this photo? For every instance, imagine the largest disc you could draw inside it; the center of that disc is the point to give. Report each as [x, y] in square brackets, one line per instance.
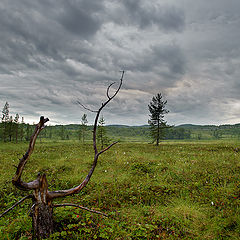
[42, 208]
[42, 211]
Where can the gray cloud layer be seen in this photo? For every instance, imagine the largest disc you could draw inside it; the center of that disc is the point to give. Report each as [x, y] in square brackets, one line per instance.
[55, 52]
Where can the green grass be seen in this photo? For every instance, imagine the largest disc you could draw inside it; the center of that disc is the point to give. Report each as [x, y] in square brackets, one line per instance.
[179, 190]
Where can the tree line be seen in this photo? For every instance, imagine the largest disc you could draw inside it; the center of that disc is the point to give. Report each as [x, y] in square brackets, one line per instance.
[14, 130]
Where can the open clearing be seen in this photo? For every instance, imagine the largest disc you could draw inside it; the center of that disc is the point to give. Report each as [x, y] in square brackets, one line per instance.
[179, 190]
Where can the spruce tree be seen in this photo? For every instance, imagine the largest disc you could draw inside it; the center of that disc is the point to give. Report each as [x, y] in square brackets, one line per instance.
[16, 123]
[101, 133]
[157, 109]
[83, 128]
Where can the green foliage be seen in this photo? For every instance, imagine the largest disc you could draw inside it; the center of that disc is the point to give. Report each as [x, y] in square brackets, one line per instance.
[102, 133]
[181, 190]
[22, 132]
[9, 127]
[157, 109]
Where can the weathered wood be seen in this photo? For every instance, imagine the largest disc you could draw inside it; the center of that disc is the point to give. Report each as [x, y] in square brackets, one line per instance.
[42, 212]
[42, 220]
[16, 180]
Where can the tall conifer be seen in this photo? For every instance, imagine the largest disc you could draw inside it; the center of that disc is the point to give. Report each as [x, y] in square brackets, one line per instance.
[157, 109]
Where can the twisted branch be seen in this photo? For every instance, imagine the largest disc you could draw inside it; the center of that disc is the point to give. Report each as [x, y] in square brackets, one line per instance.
[90, 110]
[17, 181]
[108, 89]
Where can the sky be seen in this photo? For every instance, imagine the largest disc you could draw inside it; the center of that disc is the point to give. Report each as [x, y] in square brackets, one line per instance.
[54, 53]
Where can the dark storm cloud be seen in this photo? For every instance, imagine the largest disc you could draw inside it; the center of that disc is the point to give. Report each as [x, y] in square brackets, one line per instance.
[80, 17]
[149, 13]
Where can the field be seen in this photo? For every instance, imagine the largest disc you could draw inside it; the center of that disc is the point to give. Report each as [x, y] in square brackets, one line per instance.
[179, 190]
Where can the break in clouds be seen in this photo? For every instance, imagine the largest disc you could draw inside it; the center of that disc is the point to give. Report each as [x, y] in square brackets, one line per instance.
[55, 52]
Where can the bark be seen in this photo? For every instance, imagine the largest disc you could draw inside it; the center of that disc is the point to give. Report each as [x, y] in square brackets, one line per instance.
[42, 212]
[42, 220]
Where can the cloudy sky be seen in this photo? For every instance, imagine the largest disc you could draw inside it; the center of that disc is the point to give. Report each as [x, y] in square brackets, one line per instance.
[55, 52]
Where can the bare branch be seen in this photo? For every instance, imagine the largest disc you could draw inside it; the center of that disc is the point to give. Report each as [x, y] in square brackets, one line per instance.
[31, 208]
[86, 107]
[16, 204]
[109, 89]
[78, 206]
[77, 189]
[17, 178]
[105, 149]
[100, 109]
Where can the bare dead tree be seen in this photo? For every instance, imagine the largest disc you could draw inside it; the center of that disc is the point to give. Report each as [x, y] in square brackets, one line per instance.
[42, 198]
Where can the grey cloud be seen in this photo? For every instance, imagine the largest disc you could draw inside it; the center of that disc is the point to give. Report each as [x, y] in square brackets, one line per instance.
[32, 30]
[158, 67]
[79, 17]
[169, 56]
[24, 39]
[148, 13]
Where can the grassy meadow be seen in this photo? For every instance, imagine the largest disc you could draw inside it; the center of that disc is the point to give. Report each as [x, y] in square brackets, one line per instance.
[179, 190]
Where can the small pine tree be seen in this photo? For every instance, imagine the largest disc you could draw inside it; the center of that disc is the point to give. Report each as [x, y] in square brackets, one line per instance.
[16, 123]
[83, 128]
[157, 111]
[101, 133]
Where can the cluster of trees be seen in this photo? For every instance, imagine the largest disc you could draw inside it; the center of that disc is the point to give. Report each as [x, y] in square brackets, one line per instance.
[101, 134]
[11, 128]
[14, 130]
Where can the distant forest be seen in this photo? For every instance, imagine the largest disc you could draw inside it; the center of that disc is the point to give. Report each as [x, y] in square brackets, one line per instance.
[16, 132]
